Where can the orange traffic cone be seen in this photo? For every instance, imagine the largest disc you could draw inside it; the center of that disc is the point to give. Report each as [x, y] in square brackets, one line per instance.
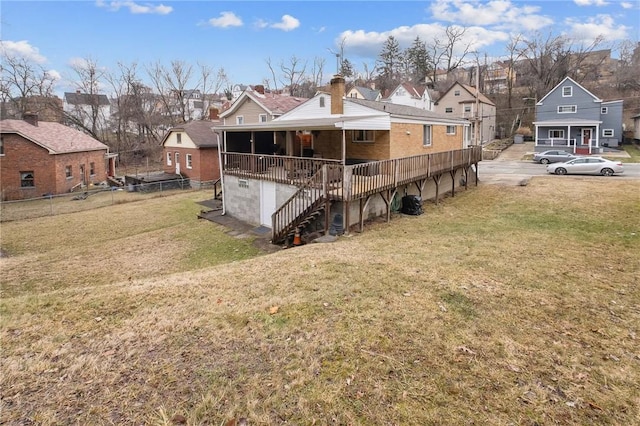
[296, 238]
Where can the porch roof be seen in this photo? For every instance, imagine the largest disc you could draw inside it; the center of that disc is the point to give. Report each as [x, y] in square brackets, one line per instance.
[362, 122]
[568, 122]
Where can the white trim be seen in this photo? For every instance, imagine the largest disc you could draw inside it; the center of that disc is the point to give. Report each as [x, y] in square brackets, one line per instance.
[573, 107]
[604, 131]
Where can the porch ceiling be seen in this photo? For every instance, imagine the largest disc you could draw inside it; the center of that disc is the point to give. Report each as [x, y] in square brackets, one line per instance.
[364, 122]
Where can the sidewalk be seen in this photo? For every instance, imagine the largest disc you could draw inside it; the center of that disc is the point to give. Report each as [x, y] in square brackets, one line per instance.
[517, 151]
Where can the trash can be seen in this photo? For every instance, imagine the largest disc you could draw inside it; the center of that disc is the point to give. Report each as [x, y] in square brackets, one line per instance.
[412, 204]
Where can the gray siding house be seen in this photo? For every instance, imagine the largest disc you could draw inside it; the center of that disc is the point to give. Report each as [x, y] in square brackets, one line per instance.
[571, 118]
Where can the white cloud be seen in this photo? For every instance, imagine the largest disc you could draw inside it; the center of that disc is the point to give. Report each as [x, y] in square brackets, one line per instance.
[288, 23]
[591, 2]
[600, 25]
[226, 20]
[22, 49]
[498, 13]
[368, 44]
[626, 5]
[135, 8]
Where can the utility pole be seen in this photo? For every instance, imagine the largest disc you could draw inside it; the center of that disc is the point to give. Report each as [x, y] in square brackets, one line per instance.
[476, 126]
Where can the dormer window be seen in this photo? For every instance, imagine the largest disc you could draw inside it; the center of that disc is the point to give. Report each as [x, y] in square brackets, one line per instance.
[567, 91]
[178, 138]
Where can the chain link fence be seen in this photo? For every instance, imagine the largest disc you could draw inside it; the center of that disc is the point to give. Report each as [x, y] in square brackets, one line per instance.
[50, 205]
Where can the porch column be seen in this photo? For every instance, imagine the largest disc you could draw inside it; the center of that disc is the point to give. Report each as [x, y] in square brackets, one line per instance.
[253, 143]
[536, 135]
[597, 137]
[569, 139]
[345, 203]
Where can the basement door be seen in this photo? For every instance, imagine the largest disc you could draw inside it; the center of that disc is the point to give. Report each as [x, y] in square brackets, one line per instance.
[267, 202]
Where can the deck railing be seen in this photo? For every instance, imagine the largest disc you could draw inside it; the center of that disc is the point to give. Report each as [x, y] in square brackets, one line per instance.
[276, 168]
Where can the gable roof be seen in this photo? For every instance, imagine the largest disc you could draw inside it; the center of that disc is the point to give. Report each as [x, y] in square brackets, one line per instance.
[368, 93]
[200, 132]
[54, 137]
[413, 91]
[471, 90]
[271, 103]
[75, 98]
[595, 98]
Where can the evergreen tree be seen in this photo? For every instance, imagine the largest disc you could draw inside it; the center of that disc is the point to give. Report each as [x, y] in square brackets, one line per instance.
[389, 65]
[417, 61]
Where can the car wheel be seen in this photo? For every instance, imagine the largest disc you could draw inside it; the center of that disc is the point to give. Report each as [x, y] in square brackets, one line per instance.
[606, 172]
[544, 161]
[561, 171]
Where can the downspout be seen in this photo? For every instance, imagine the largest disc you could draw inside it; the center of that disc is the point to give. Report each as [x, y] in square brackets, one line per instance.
[221, 172]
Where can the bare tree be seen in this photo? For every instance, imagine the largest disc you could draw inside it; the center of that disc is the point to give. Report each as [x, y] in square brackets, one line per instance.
[26, 87]
[171, 85]
[293, 74]
[91, 107]
[448, 53]
[210, 83]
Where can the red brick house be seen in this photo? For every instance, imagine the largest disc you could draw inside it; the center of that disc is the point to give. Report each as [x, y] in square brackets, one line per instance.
[191, 150]
[41, 158]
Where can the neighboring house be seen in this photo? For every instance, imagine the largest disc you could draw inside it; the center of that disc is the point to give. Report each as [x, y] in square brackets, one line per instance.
[636, 128]
[191, 150]
[340, 155]
[256, 106]
[360, 92]
[41, 158]
[498, 76]
[92, 111]
[410, 95]
[464, 101]
[574, 119]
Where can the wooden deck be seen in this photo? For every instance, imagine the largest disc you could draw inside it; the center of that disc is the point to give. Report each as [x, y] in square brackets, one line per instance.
[322, 181]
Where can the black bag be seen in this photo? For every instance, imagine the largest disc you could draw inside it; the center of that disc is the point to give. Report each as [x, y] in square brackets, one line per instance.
[412, 204]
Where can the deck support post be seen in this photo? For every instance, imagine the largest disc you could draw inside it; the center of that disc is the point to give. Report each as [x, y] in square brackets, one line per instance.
[452, 173]
[436, 180]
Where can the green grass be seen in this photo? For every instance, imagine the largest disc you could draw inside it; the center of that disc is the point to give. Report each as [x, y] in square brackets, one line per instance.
[499, 306]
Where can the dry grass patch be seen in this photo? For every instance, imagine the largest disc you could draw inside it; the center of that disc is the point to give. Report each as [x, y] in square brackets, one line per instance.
[502, 305]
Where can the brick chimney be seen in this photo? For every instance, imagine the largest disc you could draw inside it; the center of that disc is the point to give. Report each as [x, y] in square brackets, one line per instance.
[31, 118]
[337, 94]
[259, 88]
[214, 113]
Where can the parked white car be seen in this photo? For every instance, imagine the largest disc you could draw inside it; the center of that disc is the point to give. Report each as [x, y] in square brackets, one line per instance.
[586, 166]
[552, 156]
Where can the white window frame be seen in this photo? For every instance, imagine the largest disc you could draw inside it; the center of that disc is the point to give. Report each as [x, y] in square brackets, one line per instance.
[179, 138]
[427, 135]
[169, 162]
[240, 119]
[448, 110]
[451, 130]
[26, 177]
[363, 136]
[567, 91]
[607, 133]
[322, 103]
[467, 108]
[262, 118]
[68, 172]
[560, 132]
[604, 110]
[177, 158]
[572, 109]
[189, 161]
[456, 93]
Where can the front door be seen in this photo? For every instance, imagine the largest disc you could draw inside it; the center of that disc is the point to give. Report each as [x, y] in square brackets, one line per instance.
[177, 163]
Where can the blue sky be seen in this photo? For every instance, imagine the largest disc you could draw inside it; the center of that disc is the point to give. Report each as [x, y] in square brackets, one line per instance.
[240, 36]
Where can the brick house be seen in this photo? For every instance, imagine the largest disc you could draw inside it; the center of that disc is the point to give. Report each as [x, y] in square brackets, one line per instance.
[191, 150]
[41, 158]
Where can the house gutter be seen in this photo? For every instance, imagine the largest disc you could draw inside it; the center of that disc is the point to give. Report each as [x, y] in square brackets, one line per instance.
[221, 173]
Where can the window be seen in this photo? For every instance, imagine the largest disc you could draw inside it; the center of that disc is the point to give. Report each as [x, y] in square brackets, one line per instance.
[92, 169]
[451, 130]
[604, 110]
[262, 118]
[556, 134]
[607, 133]
[567, 91]
[565, 109]
[363, 136]
[179, 138]
[467, 108]
[189, 161]
[322, 101]
[448, 109]
[177, 158]
[456, 93]
[27, 180]
[426, 135]
[1, 145]
[168, 158]
[68, 172]
[239, 119]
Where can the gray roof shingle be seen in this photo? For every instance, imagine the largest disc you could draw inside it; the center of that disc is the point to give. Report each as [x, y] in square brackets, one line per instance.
[55, 137]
